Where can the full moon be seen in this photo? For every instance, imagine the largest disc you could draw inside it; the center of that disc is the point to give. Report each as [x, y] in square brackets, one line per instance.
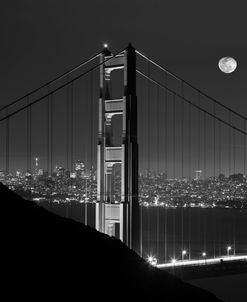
[227, 64]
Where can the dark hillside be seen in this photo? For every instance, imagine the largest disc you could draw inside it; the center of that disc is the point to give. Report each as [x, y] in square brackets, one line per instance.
[49, 257]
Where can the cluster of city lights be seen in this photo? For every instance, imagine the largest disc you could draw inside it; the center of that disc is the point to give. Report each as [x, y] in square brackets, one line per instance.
[153, 260]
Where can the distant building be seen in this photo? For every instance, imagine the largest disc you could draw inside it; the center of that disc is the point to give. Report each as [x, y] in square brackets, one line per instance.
[18, 173]
[2, 175]
[79, 169]
[60, 172]
[40, 172]
[36, 166]
[198, 174]
[72, 175]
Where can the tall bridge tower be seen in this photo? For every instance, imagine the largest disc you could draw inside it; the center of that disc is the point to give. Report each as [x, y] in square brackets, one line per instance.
[119, 219]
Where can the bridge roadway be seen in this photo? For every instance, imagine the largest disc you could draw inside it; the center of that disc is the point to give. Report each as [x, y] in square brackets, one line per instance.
[207, 268]
[205, 261]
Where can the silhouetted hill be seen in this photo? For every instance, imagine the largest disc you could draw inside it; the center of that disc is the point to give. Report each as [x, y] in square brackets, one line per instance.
[50, 257]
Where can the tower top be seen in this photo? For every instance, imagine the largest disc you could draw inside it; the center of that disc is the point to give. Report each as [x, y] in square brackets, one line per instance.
[106, 50]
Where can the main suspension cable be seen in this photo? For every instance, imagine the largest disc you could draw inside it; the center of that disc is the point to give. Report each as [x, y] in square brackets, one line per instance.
[192, 104]
[52, 81]
[188, 84]
[58, 88]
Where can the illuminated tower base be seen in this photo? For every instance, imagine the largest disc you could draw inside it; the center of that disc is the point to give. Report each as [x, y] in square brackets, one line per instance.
[119, 219]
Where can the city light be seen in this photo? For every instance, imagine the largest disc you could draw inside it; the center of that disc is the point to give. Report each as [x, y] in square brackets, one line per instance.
[174, 260]
[105, 45]
[221, 192]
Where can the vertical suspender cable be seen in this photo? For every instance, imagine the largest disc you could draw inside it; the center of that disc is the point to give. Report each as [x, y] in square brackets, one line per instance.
[190, 178]
[244, 147]
[214, 143]
[205, 172]
[72, 126]
[67, 125]
[87, 164]
[158, 164]
[174, 136]
[229, 139]
[230, 160]
[234, 172]
[182, 128]
[48, 132]
[174, 177]
[182, 158]
[7, 147]
[67, 143]
[91, 142]
[71, 137]
[51, 133]
[148, 159]
[220, 171]
[234, 150]
[166, 126]
[214, 169]
[28, 129]
[199, 160]
[49, 142]
[219, 130]
[141, 205]
[166, 160]
[199, 132]
[29, 134]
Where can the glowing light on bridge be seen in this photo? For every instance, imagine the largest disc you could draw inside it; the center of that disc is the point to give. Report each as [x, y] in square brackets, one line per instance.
[152, 260]
[184, 252]
[175, 262]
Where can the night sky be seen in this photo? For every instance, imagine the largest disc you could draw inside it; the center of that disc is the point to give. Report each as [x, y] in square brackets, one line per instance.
[42, 39]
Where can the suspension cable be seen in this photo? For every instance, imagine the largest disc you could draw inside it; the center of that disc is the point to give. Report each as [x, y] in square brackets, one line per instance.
[58, 88]
[52, 81]
[188, 84]
[192, 104]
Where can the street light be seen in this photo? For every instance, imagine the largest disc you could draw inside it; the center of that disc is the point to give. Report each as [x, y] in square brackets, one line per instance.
[184, 252]
[204, 256]
[173, 261]
[228, 250]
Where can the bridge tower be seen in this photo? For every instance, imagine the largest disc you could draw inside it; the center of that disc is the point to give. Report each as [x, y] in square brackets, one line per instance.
[119, 219]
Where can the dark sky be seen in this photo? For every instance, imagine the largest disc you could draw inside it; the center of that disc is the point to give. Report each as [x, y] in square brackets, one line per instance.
[41, 39]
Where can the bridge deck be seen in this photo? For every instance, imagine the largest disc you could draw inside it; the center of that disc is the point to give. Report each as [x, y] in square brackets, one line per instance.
[196, 269]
